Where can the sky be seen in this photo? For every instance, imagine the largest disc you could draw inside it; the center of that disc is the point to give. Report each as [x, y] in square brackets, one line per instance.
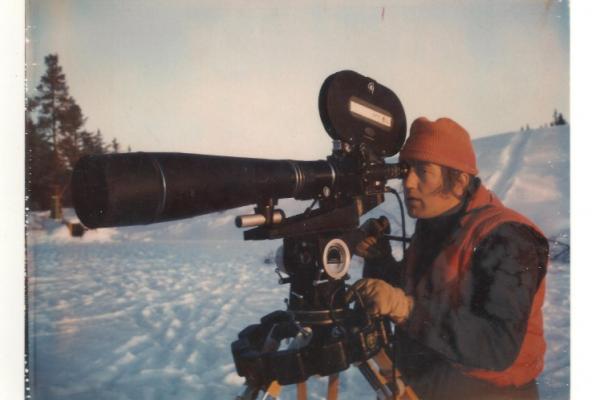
[242, 78]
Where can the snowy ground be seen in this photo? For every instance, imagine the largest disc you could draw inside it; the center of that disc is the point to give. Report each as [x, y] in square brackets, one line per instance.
[149, 312]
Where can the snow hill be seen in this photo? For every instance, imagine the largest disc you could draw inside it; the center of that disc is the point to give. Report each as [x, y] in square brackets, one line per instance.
[148, 312]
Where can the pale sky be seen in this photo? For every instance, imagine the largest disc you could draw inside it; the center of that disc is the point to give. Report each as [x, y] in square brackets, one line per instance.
[242, 78]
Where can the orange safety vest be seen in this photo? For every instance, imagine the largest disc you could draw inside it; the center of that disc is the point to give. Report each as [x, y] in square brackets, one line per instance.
[483, 213]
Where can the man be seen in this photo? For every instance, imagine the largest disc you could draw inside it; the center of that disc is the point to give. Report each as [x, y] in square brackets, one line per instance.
[467, 296]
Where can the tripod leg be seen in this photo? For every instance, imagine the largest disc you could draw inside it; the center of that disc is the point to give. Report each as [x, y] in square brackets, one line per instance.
[301, 393]
[274, 390]
[378, 372]
[387, 370]
[377, 381]
[410, 394]
[332, 386]
[250, 393]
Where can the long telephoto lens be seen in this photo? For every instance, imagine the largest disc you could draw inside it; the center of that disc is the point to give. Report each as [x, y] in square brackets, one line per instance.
[144, 188]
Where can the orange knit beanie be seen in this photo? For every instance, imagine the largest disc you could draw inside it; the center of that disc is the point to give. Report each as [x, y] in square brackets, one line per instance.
[442, 142]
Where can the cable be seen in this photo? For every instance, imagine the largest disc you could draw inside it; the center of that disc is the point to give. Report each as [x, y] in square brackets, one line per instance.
[394, 367]
[359, 299]
[405, 239]
[309, 208]
[394, 335]
[331, 311]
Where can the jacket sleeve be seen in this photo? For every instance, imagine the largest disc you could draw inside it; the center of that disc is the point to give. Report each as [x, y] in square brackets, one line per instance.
[485, 327]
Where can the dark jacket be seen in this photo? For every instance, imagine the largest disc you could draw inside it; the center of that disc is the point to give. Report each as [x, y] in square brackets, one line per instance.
[474, 306]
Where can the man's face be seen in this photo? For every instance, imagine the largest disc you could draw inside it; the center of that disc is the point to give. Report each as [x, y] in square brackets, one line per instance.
[423, 191]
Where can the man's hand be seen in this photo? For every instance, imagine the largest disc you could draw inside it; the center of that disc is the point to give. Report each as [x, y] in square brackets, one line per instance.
[381, 299]
[374, 246]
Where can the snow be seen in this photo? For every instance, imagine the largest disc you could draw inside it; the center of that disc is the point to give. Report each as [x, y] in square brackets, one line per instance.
[149, 312]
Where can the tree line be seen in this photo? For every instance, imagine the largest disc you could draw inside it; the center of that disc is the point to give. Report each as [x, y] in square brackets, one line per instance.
[557, 120]
[56, 139]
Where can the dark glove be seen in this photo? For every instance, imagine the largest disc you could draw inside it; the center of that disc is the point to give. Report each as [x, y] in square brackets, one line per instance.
[373, 246]
[381, 299]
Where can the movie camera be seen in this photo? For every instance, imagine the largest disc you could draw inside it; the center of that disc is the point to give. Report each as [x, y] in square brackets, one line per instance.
[367, 123]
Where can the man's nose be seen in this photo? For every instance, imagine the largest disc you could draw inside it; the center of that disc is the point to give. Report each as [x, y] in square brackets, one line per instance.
[410, 181]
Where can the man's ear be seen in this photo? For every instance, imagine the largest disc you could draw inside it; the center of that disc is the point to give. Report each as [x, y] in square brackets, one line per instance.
[460, 186]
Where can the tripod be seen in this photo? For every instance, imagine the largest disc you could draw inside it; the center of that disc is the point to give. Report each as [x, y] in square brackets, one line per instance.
[377, 371]
[325, 336]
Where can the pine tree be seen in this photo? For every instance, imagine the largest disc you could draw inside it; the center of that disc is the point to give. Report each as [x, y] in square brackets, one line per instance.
[115, 145]
[53, 99]
[39, 160]
[558, 119]
[58, 131]
[59, 117]
[54, 114]
[69, 145]
[92, 143]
